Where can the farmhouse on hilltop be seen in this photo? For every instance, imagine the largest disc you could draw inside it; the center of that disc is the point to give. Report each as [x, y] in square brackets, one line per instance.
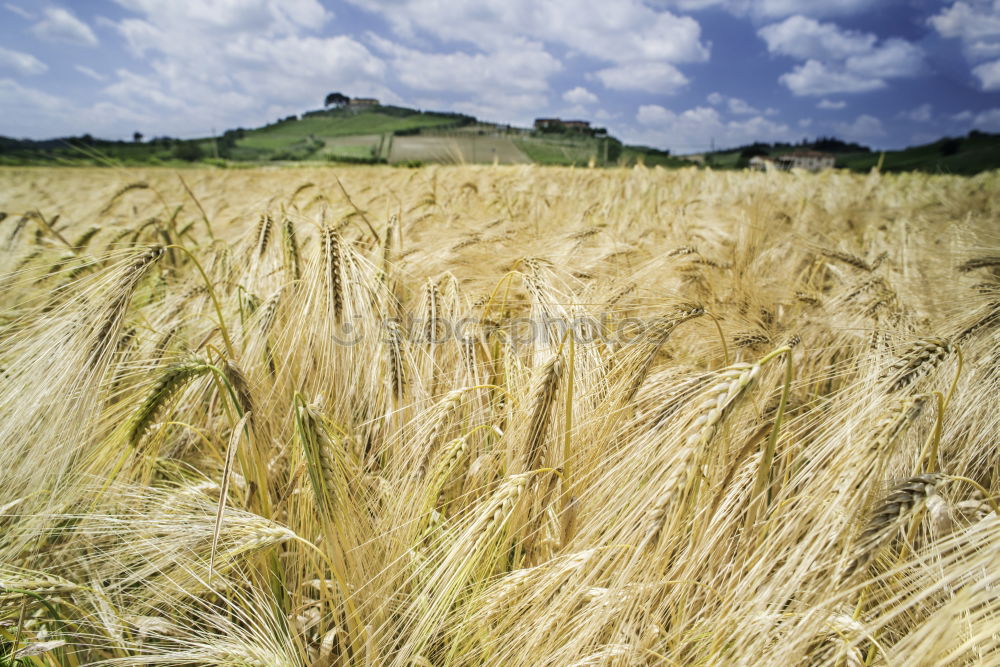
[808, 160]
[363, 102]
[560, 125]
[581, 125]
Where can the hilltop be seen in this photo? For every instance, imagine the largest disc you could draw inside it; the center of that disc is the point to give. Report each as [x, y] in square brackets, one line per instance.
[375, 134]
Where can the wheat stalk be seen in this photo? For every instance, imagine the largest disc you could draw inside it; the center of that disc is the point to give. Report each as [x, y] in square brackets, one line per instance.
[173, 379]
[332, 260]
[660, 336]
[543, 396]
[848, 258]
[916, 360]
[889, 514]
[709, 412]
[291, 247]
[979, 263]
[263, 234]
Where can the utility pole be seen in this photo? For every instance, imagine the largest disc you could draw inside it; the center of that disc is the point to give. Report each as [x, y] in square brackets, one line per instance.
[215, 145]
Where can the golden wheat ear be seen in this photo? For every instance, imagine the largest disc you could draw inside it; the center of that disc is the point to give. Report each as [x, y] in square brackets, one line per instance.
[465, 416]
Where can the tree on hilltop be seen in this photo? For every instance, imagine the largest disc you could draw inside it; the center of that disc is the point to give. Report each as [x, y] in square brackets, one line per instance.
[336, 99]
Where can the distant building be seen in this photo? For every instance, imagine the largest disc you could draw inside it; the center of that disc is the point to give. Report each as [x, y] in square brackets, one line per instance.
[363, 102]
[560, 125]
[761, 163]
[808, 160]
[543, 124]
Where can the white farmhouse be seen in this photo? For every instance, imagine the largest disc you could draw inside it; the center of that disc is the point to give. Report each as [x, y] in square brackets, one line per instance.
[808, 160]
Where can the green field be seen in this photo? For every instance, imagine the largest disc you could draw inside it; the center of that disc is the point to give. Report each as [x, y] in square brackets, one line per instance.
[579, 150]
[971, 154]
[632, 155]
[278, 136]
[727, 160]
[556, 150]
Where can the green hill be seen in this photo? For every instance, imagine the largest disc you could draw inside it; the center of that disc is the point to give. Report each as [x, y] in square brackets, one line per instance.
[372, 135]
[398, 135]
[336, 134]
[971, 154]
[331, 135]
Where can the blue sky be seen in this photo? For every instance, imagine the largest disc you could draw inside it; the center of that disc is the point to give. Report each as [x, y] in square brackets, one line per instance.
[677, 74]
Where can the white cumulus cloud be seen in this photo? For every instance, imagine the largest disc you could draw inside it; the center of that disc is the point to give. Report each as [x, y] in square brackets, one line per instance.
[521, 66]
[815, 78]
[968, 21]
[920, 114]
[695, 130]
[580, 95]
[222, 64]
[831, 104]
[821, 8]
[802, 37]
[894, 58]
[20, 11]
[88, 72]
[736, 105]
[839, 60]
[60, 25]
[654, 114]
[864, 127]
[13, 93]
[22, 63]
[976, 24]
[741, 107]
[507, 84]
[650, 77]
[636, 44]
[987, 120]
[29, 112]
[988, 75]
[770, 9]
[620, 31]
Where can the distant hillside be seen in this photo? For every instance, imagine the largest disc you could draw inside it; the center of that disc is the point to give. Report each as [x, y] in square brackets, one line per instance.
[372, 135]
[330, 135]
[398, 135]
[971, 154]
[336, 134]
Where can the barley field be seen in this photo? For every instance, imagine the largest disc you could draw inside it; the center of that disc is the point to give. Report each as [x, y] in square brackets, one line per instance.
[513, 416]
